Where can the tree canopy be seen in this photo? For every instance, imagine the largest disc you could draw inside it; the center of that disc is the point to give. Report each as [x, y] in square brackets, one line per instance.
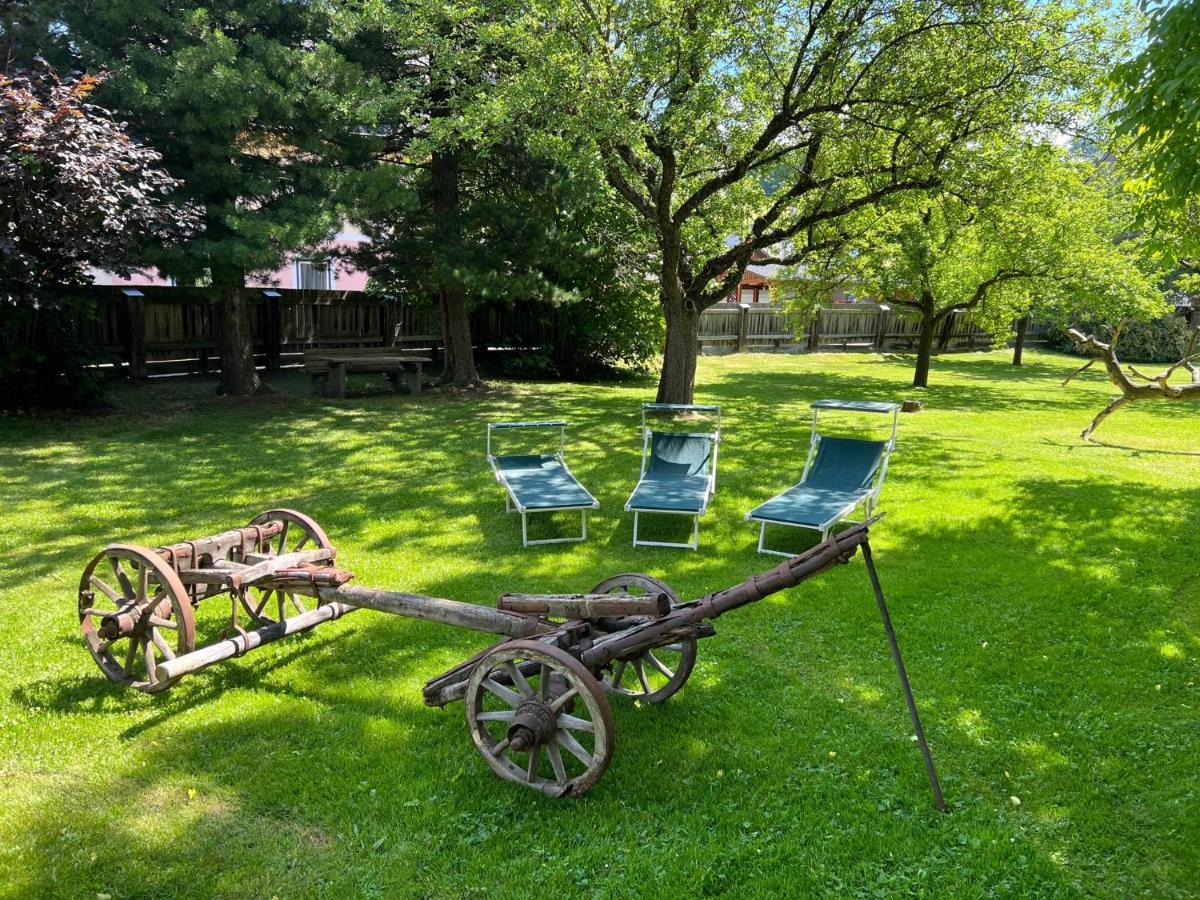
[75, 189]
[1158, 113]
[771, 122]
[239, 98]
[1015, 226]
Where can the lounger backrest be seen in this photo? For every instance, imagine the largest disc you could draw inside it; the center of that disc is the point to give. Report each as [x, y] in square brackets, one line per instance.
[845, 464]
[679, 454]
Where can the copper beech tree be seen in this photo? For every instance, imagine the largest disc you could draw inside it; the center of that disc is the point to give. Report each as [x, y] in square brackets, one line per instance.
[1134, 384]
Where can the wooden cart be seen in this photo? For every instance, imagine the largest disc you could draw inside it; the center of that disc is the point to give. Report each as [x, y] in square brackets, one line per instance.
[536, 702]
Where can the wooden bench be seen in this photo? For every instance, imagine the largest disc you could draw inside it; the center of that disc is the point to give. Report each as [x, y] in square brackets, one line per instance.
[329, 368]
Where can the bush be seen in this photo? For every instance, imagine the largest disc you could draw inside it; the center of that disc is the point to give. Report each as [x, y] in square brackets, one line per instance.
[43, 364]
[1160, 340]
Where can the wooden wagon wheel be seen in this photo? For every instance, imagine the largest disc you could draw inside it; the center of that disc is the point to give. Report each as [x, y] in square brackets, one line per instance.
[266, 607]
[134, 612]
[651, 675]
[539, 718]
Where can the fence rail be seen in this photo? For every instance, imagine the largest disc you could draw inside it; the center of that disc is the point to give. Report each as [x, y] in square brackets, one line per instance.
[172, 330]
[743, 327]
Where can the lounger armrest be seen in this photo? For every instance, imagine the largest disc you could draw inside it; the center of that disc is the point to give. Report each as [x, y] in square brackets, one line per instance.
[871, 406]
[527, 425]
[679, 407]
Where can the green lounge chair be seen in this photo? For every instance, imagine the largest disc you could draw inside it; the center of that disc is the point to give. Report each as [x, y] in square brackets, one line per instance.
[679, 471]
[840, 474]
[539, 482]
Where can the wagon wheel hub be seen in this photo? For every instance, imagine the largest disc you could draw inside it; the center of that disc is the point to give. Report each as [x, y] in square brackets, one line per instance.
[533, 724]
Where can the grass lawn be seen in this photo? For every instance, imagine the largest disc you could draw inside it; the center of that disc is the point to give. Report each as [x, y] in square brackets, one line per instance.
[1045, 593]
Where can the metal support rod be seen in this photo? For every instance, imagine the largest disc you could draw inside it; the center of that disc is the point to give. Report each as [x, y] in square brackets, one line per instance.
[908, 695]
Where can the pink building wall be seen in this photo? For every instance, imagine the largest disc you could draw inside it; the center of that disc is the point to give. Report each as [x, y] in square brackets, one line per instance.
[287, 276]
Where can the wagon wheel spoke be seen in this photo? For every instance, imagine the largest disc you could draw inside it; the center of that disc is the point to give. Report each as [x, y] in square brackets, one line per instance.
[641, 674]
[544, 682]
[563, 699]
[573, 746]
[618, 671]
[122, 578]
[149, 659]
[162, 645]
[300, 544]
[556, 763]
[143, 588]
[107, 591]
[266, 598]
[512, 698]
[532, 767]
[281, 599]
[574, 723]
[130, 656]
[296, 603]
[159, 622]
[496, 715]
[519, 680]
[658, 666]
[283, 538]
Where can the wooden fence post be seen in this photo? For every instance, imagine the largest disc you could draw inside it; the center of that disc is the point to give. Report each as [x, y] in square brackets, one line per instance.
[884, 312]
[135, 343]
[814, 332]
[743, 326]
[273, 337]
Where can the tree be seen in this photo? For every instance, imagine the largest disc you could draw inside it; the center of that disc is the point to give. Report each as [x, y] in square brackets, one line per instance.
[75, 190]
[1157, 112]
[526, 227]
[773, 122]
[1135, 385]
[420, 62]
[238, 96]
[1015, 226]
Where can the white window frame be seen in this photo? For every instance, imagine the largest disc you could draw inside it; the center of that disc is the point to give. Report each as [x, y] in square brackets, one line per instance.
[312, 263]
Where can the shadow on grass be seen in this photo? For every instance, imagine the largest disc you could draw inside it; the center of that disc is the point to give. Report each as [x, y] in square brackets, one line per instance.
[1033, 637]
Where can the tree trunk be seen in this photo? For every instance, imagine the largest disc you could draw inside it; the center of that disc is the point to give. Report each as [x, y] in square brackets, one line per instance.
[925, 348]
[677, 383]
[235, 341]
[1019, 342]
[459, 368]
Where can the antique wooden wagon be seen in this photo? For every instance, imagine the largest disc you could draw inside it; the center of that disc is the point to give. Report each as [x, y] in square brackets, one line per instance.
[536, 702]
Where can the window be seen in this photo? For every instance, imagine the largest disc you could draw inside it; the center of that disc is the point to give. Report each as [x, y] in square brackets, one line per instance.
[314, 275]
[748, 295]
[764, 294]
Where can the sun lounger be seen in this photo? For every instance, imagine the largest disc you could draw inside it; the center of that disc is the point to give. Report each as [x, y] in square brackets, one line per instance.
[539, 482]
[679, 471]
[840, 474]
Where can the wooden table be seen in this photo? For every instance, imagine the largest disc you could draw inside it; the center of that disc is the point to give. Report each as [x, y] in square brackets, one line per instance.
[332, 382]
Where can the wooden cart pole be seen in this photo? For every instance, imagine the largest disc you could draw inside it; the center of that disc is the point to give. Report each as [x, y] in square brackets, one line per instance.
[908, 694]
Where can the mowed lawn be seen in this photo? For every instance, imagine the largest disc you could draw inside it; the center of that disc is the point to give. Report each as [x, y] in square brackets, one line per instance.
[1045, 594]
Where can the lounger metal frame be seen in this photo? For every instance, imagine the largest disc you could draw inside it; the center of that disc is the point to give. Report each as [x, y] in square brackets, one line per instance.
[871, 499]
[710, 488]
[513, 504]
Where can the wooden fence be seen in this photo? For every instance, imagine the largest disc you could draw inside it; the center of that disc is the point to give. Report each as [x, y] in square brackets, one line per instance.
[731, 329]
[170, 330]
[173, 330]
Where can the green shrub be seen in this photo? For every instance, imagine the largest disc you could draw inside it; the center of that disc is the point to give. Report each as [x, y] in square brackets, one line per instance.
[1160, 340]
[43, 364]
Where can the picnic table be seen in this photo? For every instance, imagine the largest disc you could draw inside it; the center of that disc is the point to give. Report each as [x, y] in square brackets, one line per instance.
[329, 368]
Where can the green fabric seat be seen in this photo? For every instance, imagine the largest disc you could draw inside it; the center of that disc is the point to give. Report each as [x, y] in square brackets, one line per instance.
[541, 481]
[840, 478]
[677, 474]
